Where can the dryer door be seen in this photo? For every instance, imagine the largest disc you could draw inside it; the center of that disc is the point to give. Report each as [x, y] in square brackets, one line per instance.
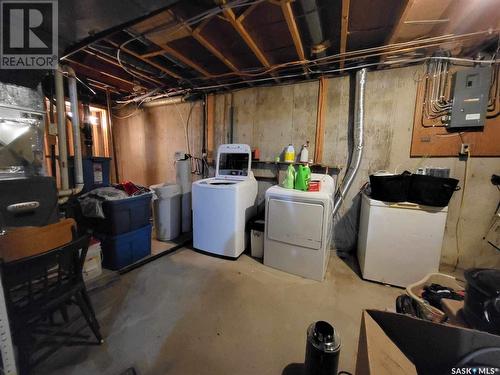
[295, 223]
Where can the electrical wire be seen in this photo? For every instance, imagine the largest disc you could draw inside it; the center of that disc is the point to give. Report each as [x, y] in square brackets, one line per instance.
[173, 29]
[459, 218]
[316, 62]
[354, 67]
[132, 114]
[186, 135]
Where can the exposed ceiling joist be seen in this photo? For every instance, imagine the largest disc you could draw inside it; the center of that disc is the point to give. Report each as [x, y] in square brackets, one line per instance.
[344, 28]
[391, 39]
[152, 54]
[123, 83]
[209, 46]
[292, 27]
[103, 86]
[94, 52]
[471, 15]
[146, 60]
[185, 60]
[238, 26]
[287, 10]
[196, 34]
[247, 11]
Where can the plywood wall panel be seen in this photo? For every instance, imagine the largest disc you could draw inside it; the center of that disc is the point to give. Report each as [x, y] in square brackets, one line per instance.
[147, 142]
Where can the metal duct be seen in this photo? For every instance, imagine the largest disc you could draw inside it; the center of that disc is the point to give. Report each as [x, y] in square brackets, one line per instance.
[166, 101]
[312, 20]
[75, 124]
[61, 129]
[359, 124]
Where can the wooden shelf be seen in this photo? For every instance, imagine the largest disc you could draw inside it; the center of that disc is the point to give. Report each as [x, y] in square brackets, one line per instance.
[313, 166]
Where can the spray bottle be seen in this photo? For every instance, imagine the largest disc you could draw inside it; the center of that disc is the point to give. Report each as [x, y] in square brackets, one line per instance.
[304, 153]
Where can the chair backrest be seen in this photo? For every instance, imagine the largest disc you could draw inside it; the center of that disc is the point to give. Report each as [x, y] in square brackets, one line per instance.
[29, 280]
[23, 242]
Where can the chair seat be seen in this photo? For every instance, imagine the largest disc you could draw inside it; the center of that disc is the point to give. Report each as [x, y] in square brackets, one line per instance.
[46, 302]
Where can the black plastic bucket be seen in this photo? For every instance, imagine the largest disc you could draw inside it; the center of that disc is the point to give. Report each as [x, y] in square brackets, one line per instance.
[431, 191]
[482, 299]
[392, 188]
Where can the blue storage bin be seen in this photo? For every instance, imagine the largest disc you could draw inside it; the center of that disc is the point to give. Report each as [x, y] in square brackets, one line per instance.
[125, 249]
[96, 172]
[124, 215]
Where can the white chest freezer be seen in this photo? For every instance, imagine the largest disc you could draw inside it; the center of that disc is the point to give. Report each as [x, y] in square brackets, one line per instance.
[399, 243]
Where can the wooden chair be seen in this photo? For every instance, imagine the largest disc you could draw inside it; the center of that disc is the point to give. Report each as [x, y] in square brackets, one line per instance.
[38, 286]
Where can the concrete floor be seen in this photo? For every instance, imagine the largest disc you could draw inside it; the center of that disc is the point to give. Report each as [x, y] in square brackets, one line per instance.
[189, 313]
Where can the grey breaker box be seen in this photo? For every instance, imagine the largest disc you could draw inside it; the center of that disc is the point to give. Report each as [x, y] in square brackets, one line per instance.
[470, 97]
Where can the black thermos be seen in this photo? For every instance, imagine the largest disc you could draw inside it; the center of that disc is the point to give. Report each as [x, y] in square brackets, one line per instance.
[322, 349]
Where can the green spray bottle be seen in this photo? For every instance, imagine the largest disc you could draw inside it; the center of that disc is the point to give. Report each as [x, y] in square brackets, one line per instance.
[289, 180]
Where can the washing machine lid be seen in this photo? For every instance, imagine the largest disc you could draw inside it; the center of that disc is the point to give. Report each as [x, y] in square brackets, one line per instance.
[234, 162]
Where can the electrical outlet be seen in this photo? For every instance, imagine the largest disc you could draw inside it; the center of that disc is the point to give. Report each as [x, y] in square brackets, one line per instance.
[464, 149]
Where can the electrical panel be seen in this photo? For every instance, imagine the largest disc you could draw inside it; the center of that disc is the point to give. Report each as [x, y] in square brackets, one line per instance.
[470, 97]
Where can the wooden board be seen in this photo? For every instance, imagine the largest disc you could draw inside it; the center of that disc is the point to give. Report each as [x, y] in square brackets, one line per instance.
[437, 141]
[24, 242]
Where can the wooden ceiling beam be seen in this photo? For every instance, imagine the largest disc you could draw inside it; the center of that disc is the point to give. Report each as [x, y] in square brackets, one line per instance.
[196, 34]
[153, 54]
[393, 36]
[209, 46]
[238, 26]
[184, 59]
[287, 10]
[247, 38]
[146, 60]
[247, 11]
[344, 29]
[102, 73]
[104, 87]
[165, 48]
[96, 53]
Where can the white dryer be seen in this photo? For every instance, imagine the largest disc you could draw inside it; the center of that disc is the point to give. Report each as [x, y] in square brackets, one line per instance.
[222, 205]
[299, 229]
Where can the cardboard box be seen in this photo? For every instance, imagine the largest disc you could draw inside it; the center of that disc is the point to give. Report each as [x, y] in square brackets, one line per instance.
[391, 343]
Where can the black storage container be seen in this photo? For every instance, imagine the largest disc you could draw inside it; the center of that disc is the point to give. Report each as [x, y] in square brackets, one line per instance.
[392, 188]
[482, 299]
[124, 215]
[431, 191]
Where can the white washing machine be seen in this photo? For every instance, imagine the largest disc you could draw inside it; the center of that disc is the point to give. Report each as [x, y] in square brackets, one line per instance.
[299, 229]
[222, 205]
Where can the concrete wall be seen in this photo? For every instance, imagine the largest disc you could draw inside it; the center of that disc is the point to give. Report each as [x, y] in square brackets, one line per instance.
[145, 143]
[272, 117]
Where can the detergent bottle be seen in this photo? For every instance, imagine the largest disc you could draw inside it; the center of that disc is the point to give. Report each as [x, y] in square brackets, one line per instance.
[304, 153]
[289, 154]
[302, 178]
[289, 180]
